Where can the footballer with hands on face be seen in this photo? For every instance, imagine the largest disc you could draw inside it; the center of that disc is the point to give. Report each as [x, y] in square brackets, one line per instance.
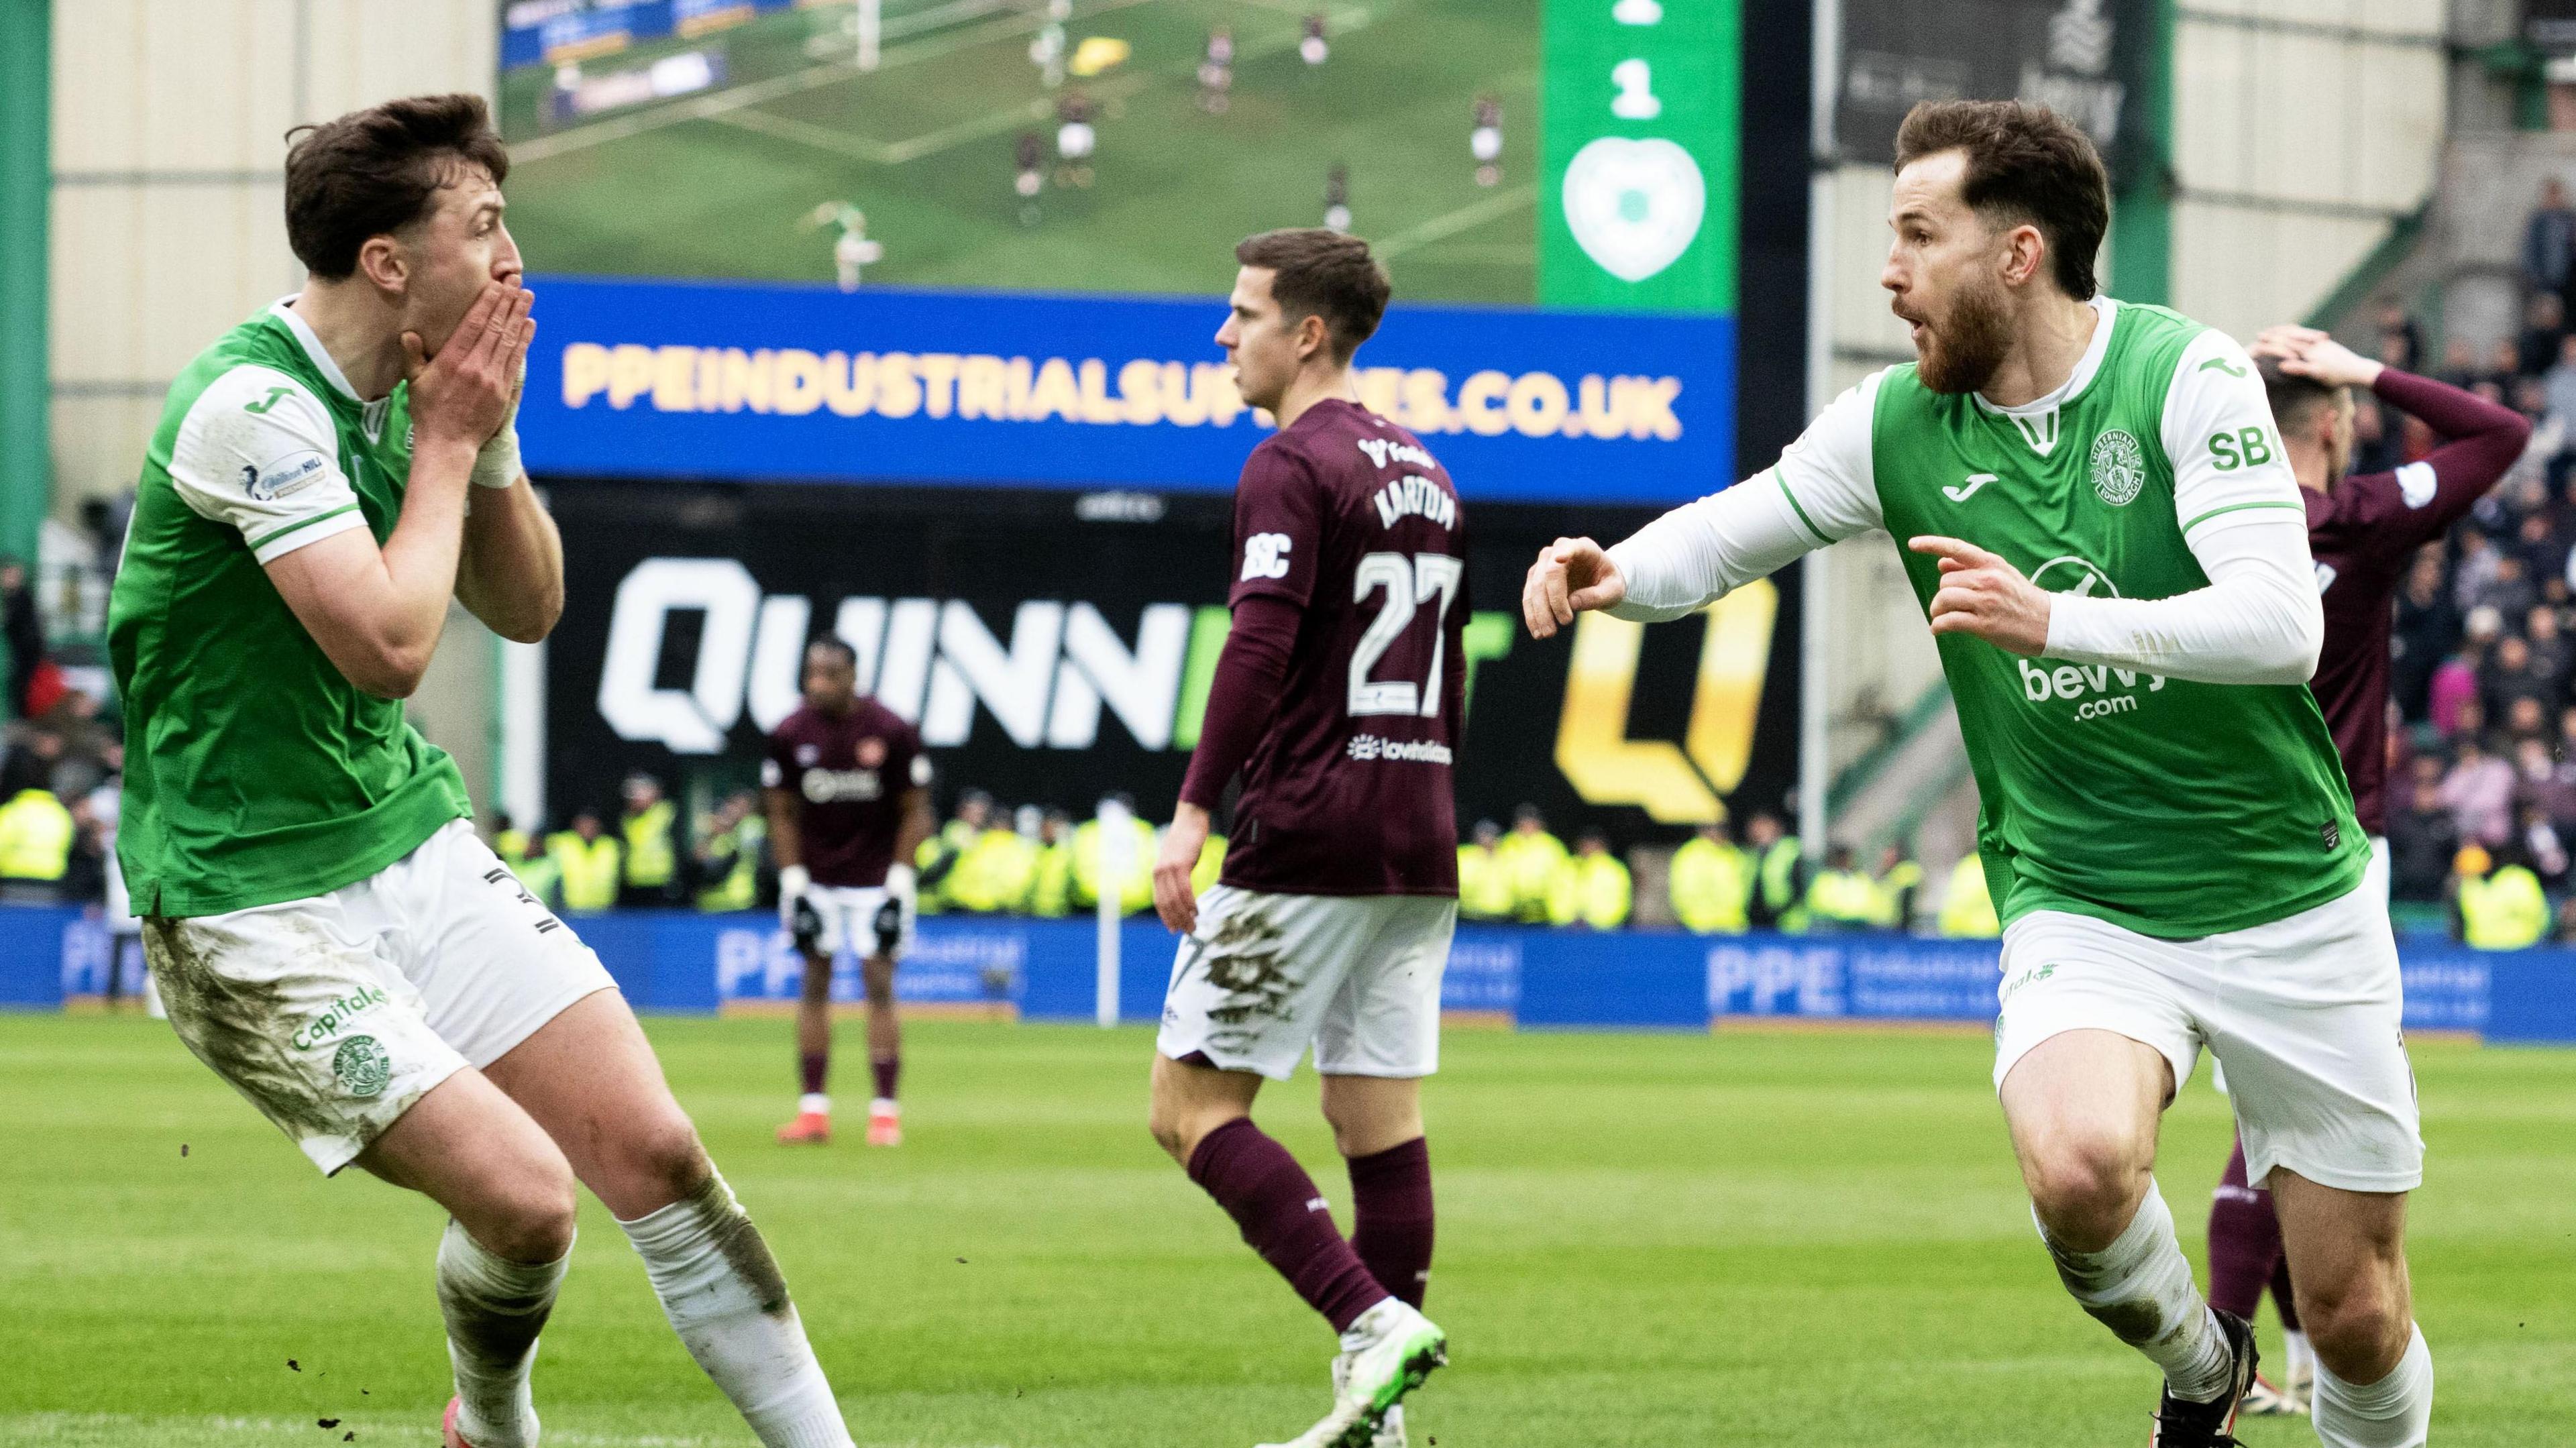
[328, 933]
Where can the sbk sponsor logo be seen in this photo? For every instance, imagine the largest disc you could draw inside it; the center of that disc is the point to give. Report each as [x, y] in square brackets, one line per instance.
[1047, 678]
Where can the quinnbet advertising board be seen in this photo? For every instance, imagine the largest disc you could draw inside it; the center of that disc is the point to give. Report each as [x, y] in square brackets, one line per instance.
[1057, 648]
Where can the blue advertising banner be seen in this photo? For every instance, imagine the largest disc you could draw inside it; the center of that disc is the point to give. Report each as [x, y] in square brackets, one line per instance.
[807, 384]
[554, 32]
[678, 962]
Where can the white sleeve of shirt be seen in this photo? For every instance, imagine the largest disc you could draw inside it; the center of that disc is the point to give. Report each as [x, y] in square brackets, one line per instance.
[2260, 620]
[1821, 491]
[258, 452]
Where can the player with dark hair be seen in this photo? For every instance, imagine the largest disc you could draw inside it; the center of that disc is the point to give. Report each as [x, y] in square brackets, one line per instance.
[2364, 530]
[847, 790]
[328, 933]
[1339, 696]
[2110, 549]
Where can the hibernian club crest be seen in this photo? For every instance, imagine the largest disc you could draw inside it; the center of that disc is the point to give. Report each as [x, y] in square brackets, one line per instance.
[363, 1066]
[2119, 467]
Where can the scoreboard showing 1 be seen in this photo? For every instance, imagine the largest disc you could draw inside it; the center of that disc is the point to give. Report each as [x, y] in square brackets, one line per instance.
[1637, 203]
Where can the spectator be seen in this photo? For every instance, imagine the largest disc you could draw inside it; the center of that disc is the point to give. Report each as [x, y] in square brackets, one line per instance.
[1134, 891]
[1593, 889]
[2511, 678]
[2452, 697]
[1051, 878]
[729, 854]
[996, 869]
[1967, 907]
[2479, 792]
[1484, 892]
[85, 871]
[936, 857]
[2548, 239]
[2558, 386]
[2475, 567]
[2422, 837]
[650, 832]
[1530, 858]
[2401, 342]
[2508, 588]
[586, 860]
[2426, 625]
[1778, 901]
[2374, 437]
[2544, 330]
[1899, 882]
[2459, 364]
[2526, 718]
[25, 634]
[1710, 882]
[2540, 846]
[2504, 367]
[2539, 548]
[2503, 907]
[36, 831]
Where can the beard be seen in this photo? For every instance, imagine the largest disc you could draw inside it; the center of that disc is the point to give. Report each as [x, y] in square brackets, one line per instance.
[1961, 354]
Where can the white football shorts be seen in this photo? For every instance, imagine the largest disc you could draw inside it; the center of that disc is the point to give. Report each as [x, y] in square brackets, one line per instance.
[1265, 976]
[334, 1014]
[852, 920]
[2305, 1015]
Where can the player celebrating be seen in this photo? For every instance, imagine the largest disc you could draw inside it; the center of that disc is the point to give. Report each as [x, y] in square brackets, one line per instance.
[1340, 697]
[1216, 72]
[2364, 531]
[848, 795]
[328, 933]
[2108, 544]
[1485, 141]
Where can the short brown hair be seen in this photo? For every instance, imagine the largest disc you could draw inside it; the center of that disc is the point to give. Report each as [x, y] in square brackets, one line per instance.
[1327, 274]
[374, 171]
[2027, 163]
[2292, 398]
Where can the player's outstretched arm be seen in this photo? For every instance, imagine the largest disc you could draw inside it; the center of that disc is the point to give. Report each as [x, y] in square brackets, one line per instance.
[377, 612]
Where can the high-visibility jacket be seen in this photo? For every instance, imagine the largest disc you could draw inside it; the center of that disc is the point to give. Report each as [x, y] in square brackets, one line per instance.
[650, 859]
[1591, 890]
[1842, 900]
[1775, 899]
[1710, 883]
[588, 870]
[540, 876]
[2504, 911]
[993, 873]
[733, 864]
[1529, 863]
[511, 845]
[936, 859]
[35, 836]
[1051, 881]
[1967, 910]
[1135, 890]
[1896, 892]
[1484, 890]
[1211, 864]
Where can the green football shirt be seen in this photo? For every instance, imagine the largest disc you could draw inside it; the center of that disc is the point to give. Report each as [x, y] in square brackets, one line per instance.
[255, 772]
[2174, 808]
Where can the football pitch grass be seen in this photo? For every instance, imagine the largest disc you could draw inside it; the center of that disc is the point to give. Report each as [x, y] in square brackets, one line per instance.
[722, 183]
[1810, 1239]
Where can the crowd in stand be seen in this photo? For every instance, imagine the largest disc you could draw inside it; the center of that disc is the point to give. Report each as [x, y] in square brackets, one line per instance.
[2482, 768]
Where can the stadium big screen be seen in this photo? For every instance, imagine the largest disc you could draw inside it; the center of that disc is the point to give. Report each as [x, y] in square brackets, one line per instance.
[896, 319]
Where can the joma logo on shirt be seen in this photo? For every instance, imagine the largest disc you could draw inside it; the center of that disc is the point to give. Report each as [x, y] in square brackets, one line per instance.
[1413, 497]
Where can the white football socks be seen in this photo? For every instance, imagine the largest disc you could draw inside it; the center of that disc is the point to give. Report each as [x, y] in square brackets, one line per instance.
[2394, 1412]
[725, 1297]
[2140, 1287]
[494, 1308]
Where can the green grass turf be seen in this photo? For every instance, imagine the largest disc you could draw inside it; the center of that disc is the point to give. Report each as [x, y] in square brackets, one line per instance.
[925, 147]
[1645, 1240]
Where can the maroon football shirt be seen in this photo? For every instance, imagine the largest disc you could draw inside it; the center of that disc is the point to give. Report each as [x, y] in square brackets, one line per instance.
[849, 776]
[1346, 518]
[2364, 532]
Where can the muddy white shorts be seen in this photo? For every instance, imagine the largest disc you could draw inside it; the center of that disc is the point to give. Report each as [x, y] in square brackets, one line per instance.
[2304, 1014]
[334, 1014]
[864, 919]
[1265, 976]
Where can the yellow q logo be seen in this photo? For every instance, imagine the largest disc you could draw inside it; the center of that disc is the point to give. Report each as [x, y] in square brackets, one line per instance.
[1605, 766]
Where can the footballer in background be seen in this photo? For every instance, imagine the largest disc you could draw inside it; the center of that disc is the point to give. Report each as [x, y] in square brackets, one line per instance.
[847, 790]
[1339, 698]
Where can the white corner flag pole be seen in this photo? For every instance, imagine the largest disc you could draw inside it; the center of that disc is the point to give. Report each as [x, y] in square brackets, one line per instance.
[1117, 857]
[871, 30]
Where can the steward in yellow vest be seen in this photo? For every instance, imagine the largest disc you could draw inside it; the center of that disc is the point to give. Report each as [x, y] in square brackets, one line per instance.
[1134, 890]
[586, 860]
[35, 837]
[1593, 889]
[1530, 858]
[1841, 897]
[1484, 888]
[1900, 884]
[650, 831]
[1051, 877]
[993, 873]
[2504, 910]
[1710, 880]
[729, 858]
[935, 861]
[1778, 899]
[1967, 910]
